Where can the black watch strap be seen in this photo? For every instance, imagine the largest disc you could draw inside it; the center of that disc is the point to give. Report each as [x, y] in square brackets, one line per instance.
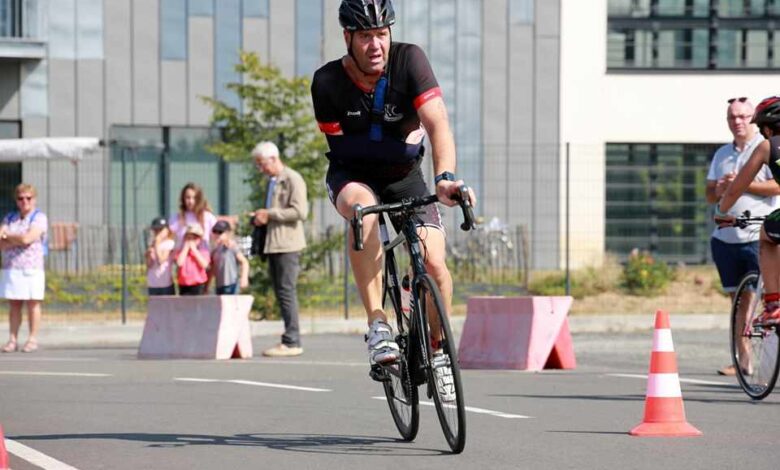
[444, 176]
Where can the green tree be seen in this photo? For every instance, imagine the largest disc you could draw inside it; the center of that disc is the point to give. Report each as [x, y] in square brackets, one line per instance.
[278, 109]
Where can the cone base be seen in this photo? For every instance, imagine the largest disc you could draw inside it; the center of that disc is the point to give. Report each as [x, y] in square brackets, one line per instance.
[676, 429]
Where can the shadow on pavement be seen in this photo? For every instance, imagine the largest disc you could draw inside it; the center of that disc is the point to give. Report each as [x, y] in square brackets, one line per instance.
[314, 443]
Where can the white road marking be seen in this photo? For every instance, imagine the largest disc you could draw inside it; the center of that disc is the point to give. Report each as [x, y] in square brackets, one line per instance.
[49, 359]
[498, 414]
[256, 384]
[54, 374]
[689, 381]
[34, 457]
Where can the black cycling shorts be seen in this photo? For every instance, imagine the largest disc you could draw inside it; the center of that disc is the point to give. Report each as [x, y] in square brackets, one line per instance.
[772, 226]
[387, 188]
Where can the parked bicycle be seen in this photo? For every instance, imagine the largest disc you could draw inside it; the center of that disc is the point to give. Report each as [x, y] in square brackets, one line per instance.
[428, 349]
[754, 347]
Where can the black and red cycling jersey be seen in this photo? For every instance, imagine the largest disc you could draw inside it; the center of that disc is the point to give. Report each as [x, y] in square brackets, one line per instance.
[774, 157]
[343, 109]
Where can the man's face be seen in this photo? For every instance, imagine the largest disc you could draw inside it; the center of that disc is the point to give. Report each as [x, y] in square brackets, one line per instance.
[738, 116]
[370, 48]
[266, 164]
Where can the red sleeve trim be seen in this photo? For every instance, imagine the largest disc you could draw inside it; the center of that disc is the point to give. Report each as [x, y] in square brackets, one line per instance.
[427, 96]
[330, 127]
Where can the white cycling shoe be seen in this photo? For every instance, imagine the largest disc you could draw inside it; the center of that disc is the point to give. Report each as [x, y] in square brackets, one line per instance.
[445, 385]
[382, 348]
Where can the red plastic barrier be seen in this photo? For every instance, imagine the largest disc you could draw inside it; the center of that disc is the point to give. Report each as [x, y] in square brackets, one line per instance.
[525, 333]
[197, 327]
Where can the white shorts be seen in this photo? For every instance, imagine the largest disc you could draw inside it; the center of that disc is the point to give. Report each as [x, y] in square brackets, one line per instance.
[22, 284]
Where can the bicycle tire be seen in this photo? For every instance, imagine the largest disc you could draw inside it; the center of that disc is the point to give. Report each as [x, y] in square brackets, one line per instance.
[762, 343]
[401, 393]
[451, 413]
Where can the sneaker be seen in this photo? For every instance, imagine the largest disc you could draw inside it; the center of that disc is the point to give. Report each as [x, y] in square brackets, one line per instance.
[382, 349]
[770, 315]
[445, 385]
[283, 350]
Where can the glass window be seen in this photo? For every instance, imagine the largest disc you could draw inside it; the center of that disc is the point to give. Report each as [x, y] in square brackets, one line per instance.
[655, 200]
[201, 7]
[308, 40]
[227, 46]
[190, 162]
[142, 175]
[10, 172]
[521, 11]
[239, 189]
[757, 49]
[173, 29]
[628, 8]
[256, 8]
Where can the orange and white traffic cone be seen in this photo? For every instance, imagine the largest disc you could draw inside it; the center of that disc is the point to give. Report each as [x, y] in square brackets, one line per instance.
[664, 412]
[3, 454]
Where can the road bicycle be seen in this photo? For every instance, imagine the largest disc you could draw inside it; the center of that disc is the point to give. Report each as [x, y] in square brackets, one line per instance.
[428, 349]
[754, 347]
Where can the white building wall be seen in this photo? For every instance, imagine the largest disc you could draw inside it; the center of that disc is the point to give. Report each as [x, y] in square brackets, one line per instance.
[598, 107]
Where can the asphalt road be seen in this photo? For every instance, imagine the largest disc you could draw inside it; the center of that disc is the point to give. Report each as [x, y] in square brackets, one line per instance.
[104, 409]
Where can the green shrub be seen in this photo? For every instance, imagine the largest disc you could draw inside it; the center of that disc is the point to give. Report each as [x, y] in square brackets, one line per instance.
[585, 281]
[642, 275]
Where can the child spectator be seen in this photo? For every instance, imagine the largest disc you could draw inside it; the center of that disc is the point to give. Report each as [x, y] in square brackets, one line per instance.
[225, 257]
[158, 259]
[193, 262]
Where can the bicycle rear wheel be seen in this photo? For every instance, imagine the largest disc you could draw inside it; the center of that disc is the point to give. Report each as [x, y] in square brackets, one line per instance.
[754, 349]
[443, 370]
[399, 389]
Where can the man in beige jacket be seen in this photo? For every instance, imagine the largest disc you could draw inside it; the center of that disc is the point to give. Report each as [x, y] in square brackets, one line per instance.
[286, 207]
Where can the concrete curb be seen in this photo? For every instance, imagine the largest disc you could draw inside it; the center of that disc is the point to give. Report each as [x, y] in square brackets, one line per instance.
[105, 335]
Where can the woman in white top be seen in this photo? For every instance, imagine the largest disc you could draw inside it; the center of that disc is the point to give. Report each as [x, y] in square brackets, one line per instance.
[22, 242]
[193, 209]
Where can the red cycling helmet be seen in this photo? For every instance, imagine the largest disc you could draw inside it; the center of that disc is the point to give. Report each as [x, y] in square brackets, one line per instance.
[767, 113]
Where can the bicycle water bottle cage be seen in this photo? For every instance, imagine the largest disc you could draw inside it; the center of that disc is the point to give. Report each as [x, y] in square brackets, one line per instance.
[378, 109]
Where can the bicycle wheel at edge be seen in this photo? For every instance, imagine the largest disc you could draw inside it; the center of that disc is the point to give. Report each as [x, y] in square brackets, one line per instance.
[452, 415]
[401, 393]
[764, 355]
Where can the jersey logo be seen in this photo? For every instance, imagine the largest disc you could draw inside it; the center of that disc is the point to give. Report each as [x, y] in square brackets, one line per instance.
[353, 113]
[391, 115]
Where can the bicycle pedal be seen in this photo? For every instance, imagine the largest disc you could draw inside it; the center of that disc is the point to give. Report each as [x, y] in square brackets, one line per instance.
[378, 374]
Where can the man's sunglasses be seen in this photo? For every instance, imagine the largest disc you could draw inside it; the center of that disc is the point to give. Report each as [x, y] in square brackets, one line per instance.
[741, 99]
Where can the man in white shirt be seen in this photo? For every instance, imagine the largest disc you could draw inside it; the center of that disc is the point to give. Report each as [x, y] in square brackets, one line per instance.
[735, 250]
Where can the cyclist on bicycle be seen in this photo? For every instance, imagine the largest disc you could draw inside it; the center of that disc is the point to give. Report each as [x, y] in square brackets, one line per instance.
[767, 118]
[375, 106]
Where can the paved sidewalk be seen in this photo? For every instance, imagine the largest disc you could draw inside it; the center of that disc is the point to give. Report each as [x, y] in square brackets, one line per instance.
[110, 334]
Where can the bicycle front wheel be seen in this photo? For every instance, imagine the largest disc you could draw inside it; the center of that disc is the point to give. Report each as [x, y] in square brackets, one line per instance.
[399, 388]
[443, 371]
[754, 349]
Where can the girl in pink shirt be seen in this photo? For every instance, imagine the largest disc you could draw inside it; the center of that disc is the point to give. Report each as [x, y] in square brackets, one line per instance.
[193, 260]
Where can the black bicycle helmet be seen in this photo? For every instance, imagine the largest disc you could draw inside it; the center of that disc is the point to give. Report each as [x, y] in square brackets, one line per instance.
[767, 113]
[358, 15]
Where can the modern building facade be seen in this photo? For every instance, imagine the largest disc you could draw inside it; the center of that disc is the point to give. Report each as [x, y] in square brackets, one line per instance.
[619, 86]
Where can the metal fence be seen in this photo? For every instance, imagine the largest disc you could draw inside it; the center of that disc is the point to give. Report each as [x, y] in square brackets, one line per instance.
[547, 207]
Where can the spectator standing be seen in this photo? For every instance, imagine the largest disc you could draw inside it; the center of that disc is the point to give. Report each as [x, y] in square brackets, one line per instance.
[22, 242]
[193, 260]
[735, 250]
[286, 207]
[193, 209]
[226, 257]
[159, 279]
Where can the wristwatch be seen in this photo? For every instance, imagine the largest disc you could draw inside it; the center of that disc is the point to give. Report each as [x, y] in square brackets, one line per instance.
[444, 176]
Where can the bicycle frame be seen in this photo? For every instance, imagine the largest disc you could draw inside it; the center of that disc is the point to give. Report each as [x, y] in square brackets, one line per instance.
[409, 236]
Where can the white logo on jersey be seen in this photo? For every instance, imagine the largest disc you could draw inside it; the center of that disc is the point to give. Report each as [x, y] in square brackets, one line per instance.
[391, 115]
[353, 113]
